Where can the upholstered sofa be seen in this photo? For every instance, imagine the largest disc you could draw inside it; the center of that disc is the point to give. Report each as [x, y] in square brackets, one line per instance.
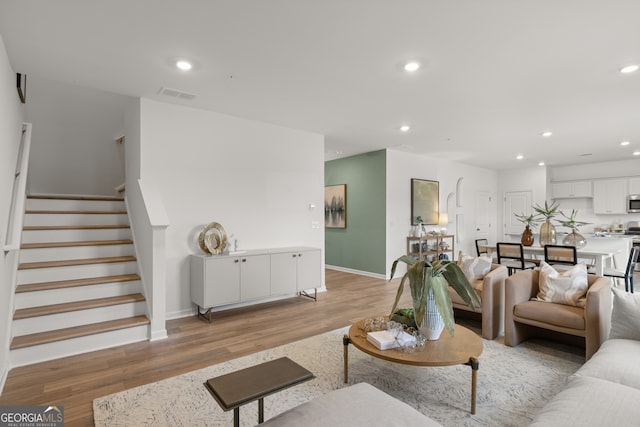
[490, 289]
[605, 391]
[359, 405]
[525, 317]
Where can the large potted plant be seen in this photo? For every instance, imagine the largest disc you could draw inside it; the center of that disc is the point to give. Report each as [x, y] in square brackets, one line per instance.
[547, 229]
[429, 284]
[529, 221]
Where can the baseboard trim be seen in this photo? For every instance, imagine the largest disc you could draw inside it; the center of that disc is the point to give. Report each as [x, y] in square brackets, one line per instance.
[192, 312]
[360, 272]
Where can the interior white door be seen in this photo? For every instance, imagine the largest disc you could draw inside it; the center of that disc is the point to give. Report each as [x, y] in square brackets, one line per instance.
[515, 202]
[483, 211]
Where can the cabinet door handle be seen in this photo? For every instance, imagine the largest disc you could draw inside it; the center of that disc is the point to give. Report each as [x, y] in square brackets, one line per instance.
[294, 255]
[244, 260]
[236, 260]
[299, 255]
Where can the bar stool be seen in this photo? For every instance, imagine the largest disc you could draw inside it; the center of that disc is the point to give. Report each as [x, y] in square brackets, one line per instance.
[627, 274]
[560, 257]
[511, 255]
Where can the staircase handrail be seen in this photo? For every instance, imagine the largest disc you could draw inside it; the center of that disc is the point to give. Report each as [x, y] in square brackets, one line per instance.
[19, 194]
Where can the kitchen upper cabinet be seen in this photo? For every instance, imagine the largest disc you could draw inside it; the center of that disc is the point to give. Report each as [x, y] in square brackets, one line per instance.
[610, 196]
[571, 189]
[634, 185]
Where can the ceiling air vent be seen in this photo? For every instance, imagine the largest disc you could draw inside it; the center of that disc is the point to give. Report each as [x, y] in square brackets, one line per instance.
[174, 93]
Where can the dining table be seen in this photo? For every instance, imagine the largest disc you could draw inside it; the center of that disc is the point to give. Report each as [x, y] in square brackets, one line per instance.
[601, 258]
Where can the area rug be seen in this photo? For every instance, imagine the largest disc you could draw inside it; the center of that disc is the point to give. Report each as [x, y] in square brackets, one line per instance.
[513, 383]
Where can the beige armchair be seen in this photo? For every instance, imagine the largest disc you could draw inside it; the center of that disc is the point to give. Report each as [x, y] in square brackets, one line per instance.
[490, 289]
[525, 318]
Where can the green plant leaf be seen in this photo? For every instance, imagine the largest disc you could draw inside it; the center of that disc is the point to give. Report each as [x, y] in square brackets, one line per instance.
[425, 277]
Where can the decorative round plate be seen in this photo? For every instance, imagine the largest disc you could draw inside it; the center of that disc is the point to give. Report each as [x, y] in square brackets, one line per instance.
[213, 239]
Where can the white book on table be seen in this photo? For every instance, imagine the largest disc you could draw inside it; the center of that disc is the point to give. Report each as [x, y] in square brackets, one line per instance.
[383, 340]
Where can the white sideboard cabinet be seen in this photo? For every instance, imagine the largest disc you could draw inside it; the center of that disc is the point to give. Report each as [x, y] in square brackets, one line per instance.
[295, 271]
[218, 280]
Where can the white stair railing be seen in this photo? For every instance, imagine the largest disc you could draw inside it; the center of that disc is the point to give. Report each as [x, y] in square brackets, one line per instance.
[18, 197]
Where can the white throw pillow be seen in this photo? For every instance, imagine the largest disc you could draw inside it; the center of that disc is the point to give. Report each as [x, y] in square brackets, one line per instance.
[567, 287]
[625, 315]
[475, 268]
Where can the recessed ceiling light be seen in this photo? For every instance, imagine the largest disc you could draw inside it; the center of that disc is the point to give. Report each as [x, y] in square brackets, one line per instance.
[519, 157]
[405, 128]
[540, 163]
[636, 153]
[411, 66]
[183, 65]
[629, 69]
[547, 134]
[625, 143]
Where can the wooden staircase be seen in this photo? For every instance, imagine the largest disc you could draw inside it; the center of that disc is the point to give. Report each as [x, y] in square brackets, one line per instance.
[78, 286]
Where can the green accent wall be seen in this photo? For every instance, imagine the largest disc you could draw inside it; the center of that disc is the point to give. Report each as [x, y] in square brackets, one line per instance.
[362, 245]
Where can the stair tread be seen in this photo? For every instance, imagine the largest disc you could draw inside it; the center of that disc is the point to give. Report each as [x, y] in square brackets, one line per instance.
[72, 197]
[76, 331]
[66, 307]
[72, 262]
[79, 243]
[74, 227]
[76, 211]
[44, 286]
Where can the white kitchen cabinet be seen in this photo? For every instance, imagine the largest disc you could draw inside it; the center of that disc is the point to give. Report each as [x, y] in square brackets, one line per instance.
[610, 196]
[295, 271]
[253, 276]
[634, 185]
[571, 189]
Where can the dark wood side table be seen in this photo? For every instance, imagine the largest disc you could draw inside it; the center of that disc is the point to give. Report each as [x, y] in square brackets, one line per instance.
[235, 389]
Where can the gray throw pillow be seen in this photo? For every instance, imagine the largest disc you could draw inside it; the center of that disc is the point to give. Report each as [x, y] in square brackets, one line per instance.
[625, 316]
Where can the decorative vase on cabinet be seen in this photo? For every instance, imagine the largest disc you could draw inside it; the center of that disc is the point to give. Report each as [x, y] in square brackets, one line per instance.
[547, 234]
[527, 237]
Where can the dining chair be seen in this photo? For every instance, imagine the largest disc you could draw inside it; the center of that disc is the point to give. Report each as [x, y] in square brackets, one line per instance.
[560, 257]
[511, 255]
[482, 242]
[627, 274]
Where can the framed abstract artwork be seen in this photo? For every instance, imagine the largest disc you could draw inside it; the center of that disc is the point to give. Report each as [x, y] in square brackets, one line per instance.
[335, 206]
[425, 201]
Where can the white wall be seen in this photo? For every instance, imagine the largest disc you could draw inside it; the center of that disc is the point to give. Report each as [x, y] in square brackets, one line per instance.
[401, 167]
[11, 112]
[255, 179]
[73, 142]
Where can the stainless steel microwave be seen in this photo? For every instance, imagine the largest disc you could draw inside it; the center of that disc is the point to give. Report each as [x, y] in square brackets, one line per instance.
[633, 203]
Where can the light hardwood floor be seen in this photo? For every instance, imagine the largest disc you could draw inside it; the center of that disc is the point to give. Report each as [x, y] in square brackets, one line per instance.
[193, 344]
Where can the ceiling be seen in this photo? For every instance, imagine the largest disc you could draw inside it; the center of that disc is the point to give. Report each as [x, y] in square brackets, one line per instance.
[495, 74]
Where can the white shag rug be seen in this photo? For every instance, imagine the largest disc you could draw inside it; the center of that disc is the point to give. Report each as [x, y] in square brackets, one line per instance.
[513, 383]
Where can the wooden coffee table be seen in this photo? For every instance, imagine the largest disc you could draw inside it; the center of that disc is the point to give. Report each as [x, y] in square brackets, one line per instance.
[463, 348]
